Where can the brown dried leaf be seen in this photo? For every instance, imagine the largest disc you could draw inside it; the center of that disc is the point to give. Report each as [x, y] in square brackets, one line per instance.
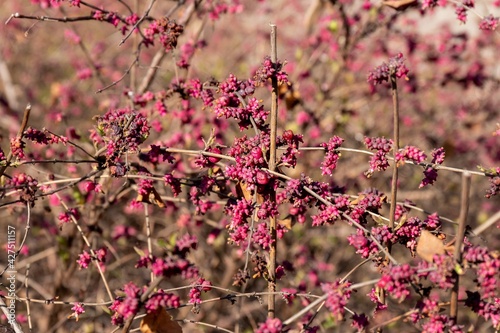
[291, 96]
[402, 221]
[286, 222]
[399, 4]
[243, 192]
[159, 322]
[358, 199]
[428, 245]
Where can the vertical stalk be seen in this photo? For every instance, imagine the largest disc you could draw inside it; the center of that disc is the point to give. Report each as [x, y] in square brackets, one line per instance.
[457, 254]
[148, 236]
[133, 70]
[394, 183]
[395, 148]
[272, 166]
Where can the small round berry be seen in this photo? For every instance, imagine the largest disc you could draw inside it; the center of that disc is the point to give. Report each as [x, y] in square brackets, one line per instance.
[288, 135]
[262, 177]
[89, 186]
[257, 153]
[214, 159]
[294, 211]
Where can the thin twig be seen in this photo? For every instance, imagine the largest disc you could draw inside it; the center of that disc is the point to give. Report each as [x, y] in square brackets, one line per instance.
[252, 224]
[51, 19]
[271, 306]
[395, 148]
[148, 236]
[53, 301]
[344, 215]
[160, 54]
[422, 164]
[215, 327]
[86, 53]
[15, 325]
[225, 157]
[100, 9]
[114, 83]
[27, 228]
[92, 252]
[323, 298]
[457, 254]
[28, 305]
[146, 13]
[394, 181]
[341, 281]
[73, 144]
[491, 221]
[404, 315]
[151, 73]
[55, 161]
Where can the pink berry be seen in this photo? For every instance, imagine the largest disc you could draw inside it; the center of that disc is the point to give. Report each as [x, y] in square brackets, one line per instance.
[288, 135]
[262, 177]
[213, 159]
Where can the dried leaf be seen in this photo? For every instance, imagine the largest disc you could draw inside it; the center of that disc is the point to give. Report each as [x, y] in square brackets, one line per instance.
[213, 170]
[399, 4]
[140, 252]
[162, 242]
[358, 199]
[286, 222]
[159, 321]
[291, 96]
[402, 221]
[106, 309]
[429, 245]
[379, 220]
[242, 191]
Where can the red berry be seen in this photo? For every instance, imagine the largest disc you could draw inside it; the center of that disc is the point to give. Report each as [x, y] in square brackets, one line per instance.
[294, 211]
[262, 177]
[89, 186]
[288, 135]
[213, 159]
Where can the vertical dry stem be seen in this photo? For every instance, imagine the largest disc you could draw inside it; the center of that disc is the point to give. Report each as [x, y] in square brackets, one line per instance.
[457, 255]
[272, 167]
[395, 148]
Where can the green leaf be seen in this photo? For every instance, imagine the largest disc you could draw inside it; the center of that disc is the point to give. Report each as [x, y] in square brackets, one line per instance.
[162, 242]
[458, 269]
[379, 220]
[172, 241]
[106, 309]
[78, 195]
[140, 252]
